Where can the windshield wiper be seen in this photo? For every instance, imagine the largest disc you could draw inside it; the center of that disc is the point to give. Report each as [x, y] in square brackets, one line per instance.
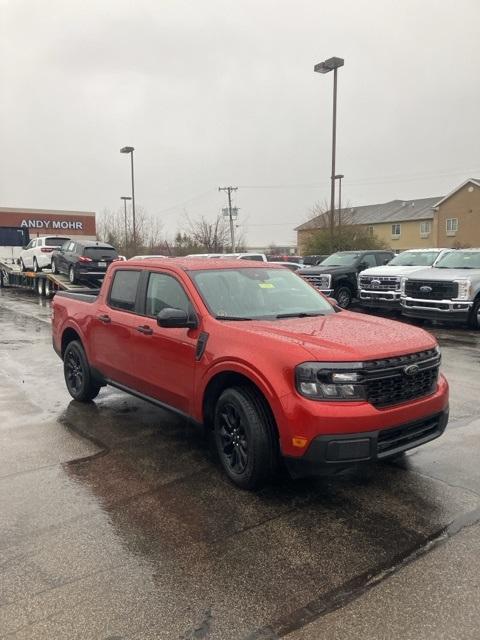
[300, 314]
[232, 318]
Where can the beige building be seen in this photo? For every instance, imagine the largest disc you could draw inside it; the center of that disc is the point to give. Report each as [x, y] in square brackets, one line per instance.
[443, 221]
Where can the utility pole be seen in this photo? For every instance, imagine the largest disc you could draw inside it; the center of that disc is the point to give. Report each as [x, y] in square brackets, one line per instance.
[232, 227]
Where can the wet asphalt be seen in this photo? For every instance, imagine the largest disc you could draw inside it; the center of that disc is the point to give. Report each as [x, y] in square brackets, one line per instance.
[116, 522]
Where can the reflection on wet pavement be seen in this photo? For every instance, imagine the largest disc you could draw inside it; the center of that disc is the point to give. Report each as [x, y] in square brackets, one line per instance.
[116, 521]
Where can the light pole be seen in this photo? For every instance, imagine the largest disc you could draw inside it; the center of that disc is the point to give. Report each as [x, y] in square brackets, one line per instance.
[332, 64]
[125, 198]
[130, 150]
[339, 177]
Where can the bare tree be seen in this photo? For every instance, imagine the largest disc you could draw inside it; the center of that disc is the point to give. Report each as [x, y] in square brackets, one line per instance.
[114, 229]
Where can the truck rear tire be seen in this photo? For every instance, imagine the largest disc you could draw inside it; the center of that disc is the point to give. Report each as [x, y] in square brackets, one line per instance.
[54, 267]
[245, 437]
[40, 287]
[78, 377]
[48, 288]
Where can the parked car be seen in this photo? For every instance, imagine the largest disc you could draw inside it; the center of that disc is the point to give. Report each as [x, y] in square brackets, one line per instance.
[311, 261]
[293, 266]
[260, 357]
[37, 255]
[379, 287]
[450, 290]
[83, 260]
[337, 275]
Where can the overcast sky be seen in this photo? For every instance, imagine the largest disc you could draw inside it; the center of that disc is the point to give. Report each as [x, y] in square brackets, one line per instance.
[222, 92]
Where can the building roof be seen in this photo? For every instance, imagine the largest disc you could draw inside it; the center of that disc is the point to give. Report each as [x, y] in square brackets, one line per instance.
[475, 181]
[393, 211]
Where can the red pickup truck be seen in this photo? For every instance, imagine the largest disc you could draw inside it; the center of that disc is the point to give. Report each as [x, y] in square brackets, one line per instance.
[256, 353]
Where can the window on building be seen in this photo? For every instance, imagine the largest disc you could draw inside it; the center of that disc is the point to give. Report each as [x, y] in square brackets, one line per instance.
[371, 231]
[452, 226]
[396, 228]
[425, 228]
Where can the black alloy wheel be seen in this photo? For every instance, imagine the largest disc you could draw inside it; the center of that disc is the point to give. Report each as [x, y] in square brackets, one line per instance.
[22, 265]
[54, 266]
[234, 444]
[245, 437]
[78, 378]
[71, 275]
[36, 268]
[343, 295]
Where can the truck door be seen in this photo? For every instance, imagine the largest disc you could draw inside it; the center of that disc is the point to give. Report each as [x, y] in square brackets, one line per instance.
[113, 329]
[165, 357]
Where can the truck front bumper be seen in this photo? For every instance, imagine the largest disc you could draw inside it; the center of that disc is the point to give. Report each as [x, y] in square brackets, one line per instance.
[450, 310]
[382, 299]
[331, 453]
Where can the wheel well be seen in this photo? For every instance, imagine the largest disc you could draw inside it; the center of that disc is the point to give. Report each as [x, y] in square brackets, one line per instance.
[223, 381]
[68, 336]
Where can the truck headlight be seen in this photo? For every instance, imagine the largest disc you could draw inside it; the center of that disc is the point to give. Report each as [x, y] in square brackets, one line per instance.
[464, 286]
[325, 280]
[321, 381]
[403, 282]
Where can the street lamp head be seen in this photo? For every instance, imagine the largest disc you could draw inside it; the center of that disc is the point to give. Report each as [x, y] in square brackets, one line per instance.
[339, 176]
[329, 65]
[127, 149]
[125, 197]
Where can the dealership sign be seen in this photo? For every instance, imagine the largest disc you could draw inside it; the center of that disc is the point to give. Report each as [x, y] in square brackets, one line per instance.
[50, 222]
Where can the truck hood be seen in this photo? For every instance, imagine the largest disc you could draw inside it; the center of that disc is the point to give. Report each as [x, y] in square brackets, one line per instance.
[344, 336]
[395, 270]
[317, 270]
[446, 274]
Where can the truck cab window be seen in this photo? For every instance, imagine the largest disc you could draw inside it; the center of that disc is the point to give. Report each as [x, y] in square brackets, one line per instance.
[165, 291]
[124, 290]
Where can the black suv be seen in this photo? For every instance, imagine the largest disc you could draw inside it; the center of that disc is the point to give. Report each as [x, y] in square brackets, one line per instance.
[337, 275]
[83, 260]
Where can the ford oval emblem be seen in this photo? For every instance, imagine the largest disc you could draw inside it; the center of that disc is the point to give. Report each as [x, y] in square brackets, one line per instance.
[411, 370]
[375, 283]
[426, 289]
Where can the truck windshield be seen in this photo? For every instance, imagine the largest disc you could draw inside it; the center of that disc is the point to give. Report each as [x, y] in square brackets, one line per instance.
[415, 259]
[459, 260]
[341, 260]
[253, 294]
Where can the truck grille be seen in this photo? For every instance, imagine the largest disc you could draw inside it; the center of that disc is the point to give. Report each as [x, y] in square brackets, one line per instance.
[380, 283]
[389, 381]
[431, 289]
[319, 281]
[408, 435]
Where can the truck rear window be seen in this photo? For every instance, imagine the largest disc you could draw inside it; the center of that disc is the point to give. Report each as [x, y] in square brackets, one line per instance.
[124, 290]
[98, 253]
[55, 242]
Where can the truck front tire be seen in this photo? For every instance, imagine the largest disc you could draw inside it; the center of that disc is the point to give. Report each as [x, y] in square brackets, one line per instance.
[245, 437]
[343, 295]
[78, 378]
[474, 320]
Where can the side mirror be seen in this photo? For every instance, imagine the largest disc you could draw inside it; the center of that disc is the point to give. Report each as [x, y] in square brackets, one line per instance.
[170, 318]
[387, 260]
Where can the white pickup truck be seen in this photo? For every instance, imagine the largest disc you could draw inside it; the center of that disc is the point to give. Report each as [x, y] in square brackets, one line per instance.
[379, 287]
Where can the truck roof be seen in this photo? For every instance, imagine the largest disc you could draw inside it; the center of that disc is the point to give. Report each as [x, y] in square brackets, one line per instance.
[200, 264]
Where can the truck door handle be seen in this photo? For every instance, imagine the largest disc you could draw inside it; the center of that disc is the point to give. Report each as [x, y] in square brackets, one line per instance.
[145, 329]
[104, 318]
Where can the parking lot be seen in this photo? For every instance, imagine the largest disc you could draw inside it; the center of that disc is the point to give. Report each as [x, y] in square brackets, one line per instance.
[117, 523]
